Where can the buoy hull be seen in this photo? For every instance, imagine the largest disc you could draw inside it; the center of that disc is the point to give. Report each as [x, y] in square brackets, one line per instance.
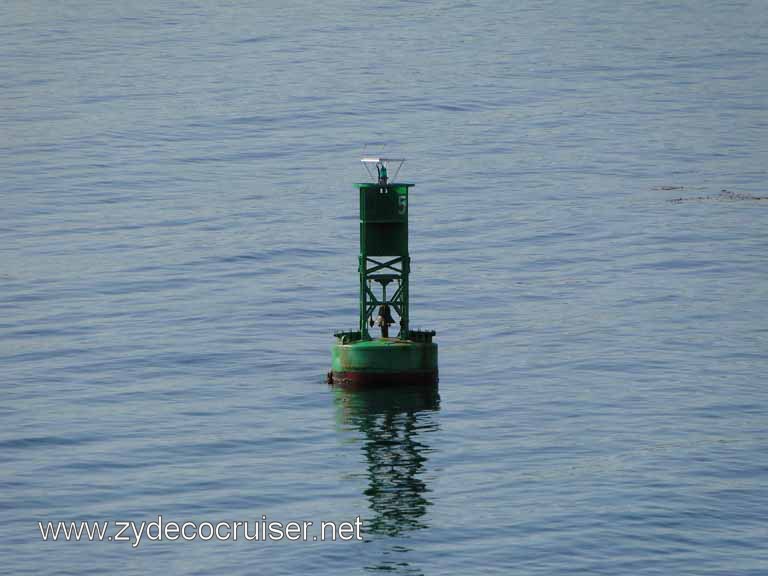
[384, 362]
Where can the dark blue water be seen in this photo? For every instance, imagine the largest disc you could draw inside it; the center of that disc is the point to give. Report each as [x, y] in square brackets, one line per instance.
[178, 241]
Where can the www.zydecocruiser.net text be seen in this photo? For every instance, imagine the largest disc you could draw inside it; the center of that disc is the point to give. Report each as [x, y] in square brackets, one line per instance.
[258, 530]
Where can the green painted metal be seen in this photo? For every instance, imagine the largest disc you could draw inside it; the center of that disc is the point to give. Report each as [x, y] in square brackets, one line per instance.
[384, 254]
[384, 355]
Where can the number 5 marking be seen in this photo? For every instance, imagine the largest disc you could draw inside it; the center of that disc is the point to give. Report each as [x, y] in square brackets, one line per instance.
[402, 204]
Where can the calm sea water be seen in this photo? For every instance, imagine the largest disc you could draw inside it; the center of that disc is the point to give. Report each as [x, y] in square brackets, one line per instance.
[178, 241]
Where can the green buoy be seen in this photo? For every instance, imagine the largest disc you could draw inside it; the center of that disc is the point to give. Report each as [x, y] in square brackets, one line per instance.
[410, 357]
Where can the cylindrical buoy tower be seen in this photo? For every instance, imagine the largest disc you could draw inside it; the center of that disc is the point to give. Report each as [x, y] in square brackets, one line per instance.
[410, 356]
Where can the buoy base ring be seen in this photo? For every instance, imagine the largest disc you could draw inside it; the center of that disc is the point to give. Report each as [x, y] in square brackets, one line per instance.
[383, 362]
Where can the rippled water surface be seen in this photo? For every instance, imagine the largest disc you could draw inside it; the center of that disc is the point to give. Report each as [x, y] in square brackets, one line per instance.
[178, 241]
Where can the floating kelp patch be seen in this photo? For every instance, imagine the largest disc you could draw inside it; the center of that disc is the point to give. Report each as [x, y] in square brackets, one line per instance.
[668, 188]
[724, 195]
